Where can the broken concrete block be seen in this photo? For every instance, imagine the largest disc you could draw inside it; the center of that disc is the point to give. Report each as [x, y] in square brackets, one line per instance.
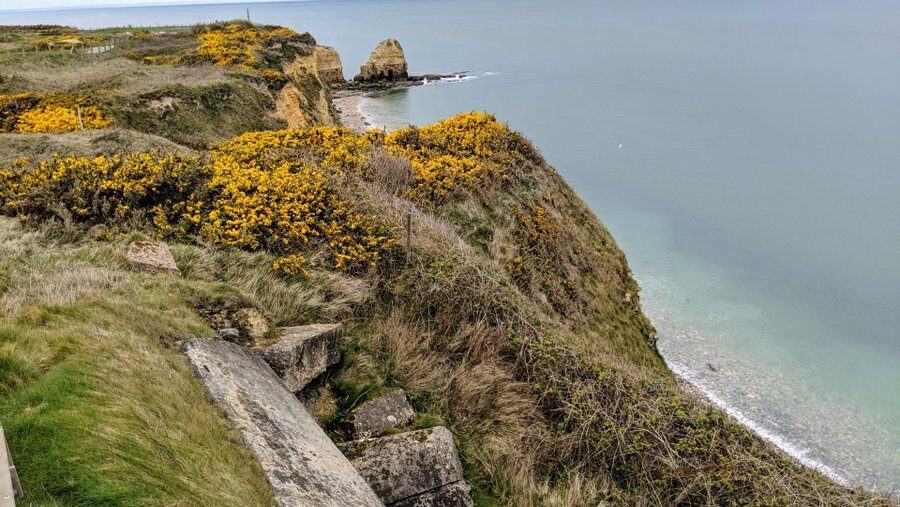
[301, 463]
[406, 465]
[390, 410]
[451, 495]
[302, 353]
[152, 257]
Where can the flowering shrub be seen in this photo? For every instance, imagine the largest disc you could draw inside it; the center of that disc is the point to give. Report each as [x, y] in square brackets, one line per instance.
[272, 190]
[265, 196]
[70, 40]
[464, 151]
[101, 188]
[331, 147]
[539, 262]
[52, 112]
[239, 44]
[263, 190]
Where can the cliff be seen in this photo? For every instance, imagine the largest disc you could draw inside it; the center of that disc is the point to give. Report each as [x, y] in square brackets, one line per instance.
[465, 270]
[304, 100]
[328, 65]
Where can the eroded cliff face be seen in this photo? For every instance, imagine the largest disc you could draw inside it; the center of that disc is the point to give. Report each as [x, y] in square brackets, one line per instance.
[386, 63]
[328, 65]
[304, 102]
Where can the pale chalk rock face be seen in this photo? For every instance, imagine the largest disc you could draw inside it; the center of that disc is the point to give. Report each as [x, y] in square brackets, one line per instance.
[328, 65]
[386, 63]
[302, 353]
[152, 257]
[301, 463]
[390, 410]
[410, 468]
[307, 107]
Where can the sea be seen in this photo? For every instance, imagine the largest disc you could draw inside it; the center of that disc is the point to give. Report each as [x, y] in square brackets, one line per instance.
[745, 154]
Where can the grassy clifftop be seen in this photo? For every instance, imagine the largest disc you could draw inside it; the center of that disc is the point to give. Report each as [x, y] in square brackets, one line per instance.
[506, 311]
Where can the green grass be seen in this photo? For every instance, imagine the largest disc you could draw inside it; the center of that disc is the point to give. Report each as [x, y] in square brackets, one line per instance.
[98, 406]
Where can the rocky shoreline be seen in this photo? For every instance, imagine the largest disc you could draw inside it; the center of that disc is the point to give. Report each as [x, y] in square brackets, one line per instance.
[349, 98]
[348, 109]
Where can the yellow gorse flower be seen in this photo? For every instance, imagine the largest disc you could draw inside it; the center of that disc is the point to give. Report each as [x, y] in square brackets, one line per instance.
[52, 112]
[460, 152]
[276, 191]
[238, 44]
[273, 191]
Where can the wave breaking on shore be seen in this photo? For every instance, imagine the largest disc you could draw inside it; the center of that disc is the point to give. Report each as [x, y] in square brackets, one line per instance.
[688, 376]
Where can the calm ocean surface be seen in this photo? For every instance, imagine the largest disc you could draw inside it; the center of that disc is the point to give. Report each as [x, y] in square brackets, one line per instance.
[745, 154]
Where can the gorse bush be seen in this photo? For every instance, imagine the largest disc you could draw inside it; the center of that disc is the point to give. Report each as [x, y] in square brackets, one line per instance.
[462, 152]
[332, 147]
[271, 190]
[51, 112]
[101, 189]
[238, 44]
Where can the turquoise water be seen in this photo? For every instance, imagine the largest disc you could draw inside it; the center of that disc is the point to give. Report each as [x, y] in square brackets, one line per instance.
[746, 156]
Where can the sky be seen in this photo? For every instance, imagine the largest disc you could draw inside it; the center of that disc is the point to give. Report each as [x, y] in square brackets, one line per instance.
[6, 5]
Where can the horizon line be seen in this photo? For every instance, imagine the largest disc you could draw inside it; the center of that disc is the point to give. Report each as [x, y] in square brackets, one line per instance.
[159, 3]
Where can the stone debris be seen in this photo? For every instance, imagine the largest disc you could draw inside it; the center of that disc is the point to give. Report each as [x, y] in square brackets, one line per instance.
[230, 334]
[302, 353]
[374, 417]
[251, 324]
[410, 468]
[386, 63]
[301, 463]
[451, 495]
[151, 257]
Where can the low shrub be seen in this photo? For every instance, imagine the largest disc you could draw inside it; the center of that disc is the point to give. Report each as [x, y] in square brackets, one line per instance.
[51, 112]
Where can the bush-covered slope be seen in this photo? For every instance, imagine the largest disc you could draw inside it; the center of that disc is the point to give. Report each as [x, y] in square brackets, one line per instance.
[507, 312]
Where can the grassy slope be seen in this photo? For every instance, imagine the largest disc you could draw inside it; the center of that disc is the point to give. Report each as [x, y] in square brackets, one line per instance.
[191, 106]
[97, 408]
[553, 401]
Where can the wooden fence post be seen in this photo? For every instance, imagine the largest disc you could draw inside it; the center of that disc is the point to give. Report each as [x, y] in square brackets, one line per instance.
[80, 122]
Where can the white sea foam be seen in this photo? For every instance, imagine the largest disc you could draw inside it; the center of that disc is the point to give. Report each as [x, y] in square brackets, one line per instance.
[777, 440]
[459, 78]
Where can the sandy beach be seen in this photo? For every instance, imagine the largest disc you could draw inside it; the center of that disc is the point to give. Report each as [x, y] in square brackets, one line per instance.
[348, 108]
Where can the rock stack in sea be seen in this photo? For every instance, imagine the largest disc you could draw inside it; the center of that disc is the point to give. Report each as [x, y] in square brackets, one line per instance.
[386, 63]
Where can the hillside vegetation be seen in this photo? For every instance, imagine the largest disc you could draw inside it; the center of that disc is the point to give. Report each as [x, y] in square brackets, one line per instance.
[467, 272]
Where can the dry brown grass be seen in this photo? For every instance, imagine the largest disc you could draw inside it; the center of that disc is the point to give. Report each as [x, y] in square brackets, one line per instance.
[107, 72]
[84, 142]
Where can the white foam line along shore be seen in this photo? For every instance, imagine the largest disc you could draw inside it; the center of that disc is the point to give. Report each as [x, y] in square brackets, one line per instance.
[775, 439]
